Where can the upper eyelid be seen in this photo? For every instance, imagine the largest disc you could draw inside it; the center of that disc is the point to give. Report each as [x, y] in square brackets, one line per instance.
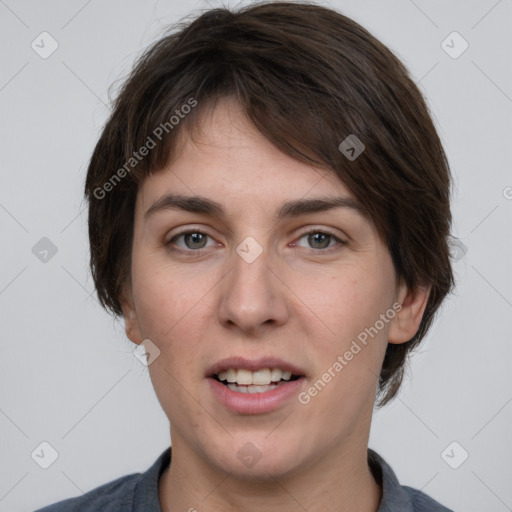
[307, 230]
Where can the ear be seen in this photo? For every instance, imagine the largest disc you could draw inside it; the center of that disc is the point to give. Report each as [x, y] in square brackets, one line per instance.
[131, 323]
[407, 320]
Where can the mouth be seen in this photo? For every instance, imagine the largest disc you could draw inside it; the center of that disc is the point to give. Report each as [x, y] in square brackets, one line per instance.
[260, 381]
[257, 376]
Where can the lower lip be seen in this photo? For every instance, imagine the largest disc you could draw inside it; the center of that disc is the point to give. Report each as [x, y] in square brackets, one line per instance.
[255, 403]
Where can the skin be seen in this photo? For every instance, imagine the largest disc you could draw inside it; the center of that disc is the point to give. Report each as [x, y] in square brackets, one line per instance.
[296, 301]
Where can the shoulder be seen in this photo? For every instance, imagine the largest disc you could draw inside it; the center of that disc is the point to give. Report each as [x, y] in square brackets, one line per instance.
[396, 496]
[106, 497]
[130, 493]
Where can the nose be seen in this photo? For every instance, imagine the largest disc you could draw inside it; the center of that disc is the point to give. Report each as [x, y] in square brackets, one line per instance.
[253, 295]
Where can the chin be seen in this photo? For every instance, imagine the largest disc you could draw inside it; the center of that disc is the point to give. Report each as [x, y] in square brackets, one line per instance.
[259, 459]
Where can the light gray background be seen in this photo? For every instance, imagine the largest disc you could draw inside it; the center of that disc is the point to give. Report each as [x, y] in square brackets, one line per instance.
[67, 373]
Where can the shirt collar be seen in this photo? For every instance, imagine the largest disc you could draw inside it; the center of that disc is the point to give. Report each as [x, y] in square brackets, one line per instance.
[394, 496]
[145, 495]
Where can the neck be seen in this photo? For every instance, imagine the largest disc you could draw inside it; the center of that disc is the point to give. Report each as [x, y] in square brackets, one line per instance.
[337, 481]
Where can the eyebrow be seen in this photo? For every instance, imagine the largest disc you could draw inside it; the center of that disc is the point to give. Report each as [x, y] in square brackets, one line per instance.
[295, 208]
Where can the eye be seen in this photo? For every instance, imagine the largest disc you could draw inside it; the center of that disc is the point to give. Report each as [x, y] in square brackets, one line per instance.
[194, 241]
[321, 240]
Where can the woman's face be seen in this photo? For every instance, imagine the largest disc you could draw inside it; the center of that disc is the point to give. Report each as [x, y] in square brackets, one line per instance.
[269, 285]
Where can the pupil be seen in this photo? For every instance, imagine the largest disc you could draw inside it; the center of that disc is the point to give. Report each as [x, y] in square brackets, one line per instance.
[196, 238]
[319, 237]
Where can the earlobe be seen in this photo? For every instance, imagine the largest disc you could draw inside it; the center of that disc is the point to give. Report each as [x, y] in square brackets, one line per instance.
[407, 320]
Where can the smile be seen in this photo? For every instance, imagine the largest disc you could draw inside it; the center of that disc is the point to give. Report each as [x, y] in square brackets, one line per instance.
[260, 381]
[259, 386]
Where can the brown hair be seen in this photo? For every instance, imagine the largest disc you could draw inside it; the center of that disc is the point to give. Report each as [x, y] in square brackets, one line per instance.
[307, 77]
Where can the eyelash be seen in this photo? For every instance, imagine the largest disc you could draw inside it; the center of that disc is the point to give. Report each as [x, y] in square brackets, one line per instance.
[199, 252]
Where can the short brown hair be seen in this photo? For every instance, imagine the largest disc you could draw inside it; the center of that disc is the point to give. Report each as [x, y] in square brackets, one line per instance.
[307, 77]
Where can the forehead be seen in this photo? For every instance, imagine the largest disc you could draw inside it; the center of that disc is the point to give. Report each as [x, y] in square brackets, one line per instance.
[227, 158]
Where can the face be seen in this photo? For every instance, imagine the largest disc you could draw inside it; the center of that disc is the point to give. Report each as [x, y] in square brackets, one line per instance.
[290, 292]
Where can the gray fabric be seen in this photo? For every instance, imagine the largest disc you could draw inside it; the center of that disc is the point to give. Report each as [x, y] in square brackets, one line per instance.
[139, 492]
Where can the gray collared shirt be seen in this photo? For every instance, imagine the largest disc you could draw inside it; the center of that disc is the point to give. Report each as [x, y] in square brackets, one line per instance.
[138, 492]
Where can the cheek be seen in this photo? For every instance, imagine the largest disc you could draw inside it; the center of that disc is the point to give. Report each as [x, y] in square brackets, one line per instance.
[346, 304]
[167, 300]
[350, 304]
[171, 313]
[173, 310]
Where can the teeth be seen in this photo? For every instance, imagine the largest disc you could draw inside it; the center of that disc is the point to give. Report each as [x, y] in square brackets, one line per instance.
[275, 374]
[244, 377]
[252, 389]
[230, 375]
[261, 377]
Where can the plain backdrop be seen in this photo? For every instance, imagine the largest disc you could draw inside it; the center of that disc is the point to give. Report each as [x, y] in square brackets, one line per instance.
[68, 376]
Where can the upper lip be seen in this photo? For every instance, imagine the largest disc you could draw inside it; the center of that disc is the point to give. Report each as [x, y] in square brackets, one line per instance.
[240, 363]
